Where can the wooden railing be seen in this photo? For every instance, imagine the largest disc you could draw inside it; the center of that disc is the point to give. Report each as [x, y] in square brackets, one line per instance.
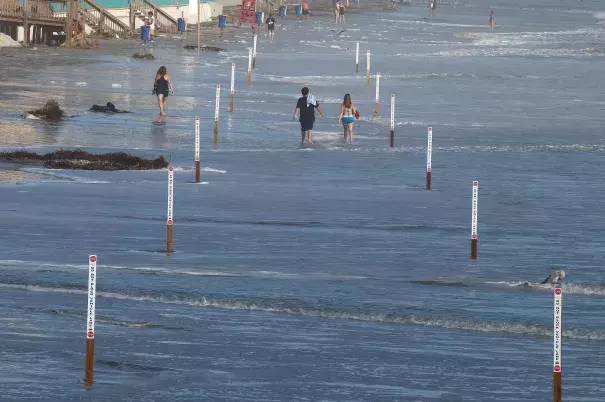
[164, 22]
[101, 21]
[35, 11]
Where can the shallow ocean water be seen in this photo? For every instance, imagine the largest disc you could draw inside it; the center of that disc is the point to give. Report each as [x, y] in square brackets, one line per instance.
[321, 272]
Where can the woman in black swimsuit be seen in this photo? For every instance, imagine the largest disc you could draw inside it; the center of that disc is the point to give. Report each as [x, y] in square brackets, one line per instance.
[162, 86]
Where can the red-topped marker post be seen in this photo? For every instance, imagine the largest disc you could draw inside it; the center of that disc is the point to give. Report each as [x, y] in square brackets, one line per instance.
[197, 149]
[170, 210]
[90, 319]
[557, 355]
[474, 220]
[429, 156]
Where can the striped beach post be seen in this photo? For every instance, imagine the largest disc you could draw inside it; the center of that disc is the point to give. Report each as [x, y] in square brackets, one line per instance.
[232, 93]
[429, 152]
[392, 129]
[249, 66]
[368, 67]
[377, 111]
[170, 210]
[90, 320]
[217, 102]
[254, 51]
[357, 58]
[557, 334]
[474, 221]
[197, 149]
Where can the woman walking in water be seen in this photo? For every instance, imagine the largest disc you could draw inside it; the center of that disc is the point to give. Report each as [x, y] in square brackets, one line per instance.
[347, 117]
[162, 86]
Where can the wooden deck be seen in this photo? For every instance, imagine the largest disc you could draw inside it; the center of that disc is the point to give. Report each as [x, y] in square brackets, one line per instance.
[39, 13]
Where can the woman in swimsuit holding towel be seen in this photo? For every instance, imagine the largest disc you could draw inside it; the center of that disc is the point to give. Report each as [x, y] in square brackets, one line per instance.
[162, 86]
[347, 117]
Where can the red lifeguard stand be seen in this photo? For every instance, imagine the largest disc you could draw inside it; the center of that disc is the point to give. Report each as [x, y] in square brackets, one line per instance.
[247, 13]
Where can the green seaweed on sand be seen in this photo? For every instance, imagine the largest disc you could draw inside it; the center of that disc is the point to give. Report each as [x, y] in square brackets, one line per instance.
[50, 111]
[82, 160]
[204, 48]
[143, 56]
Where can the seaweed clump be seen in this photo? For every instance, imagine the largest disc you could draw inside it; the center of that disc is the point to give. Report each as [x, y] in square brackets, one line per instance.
[143, 56]
[50, 111]
[204, 48]
[82, 160]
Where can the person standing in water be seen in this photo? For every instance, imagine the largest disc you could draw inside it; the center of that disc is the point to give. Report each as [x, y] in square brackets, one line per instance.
[151, 23]
[347, 118]
[306, 106]
[341, 11]
[271, 27]
[336, 10]
[162, 86]
[432, 7]
[492, 21]
[305, 9]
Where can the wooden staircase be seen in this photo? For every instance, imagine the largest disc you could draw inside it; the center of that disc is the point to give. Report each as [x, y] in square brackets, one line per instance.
[164, 22]
[102, 22]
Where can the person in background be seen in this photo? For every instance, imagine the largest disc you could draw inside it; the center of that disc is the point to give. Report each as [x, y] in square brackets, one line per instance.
[432, 7]
[341, 11]
[162, 86]
[336, 10]
[151, 23]
[347, 118]
[305, 9]
[305, 107]
[271, 27]
[492, 21]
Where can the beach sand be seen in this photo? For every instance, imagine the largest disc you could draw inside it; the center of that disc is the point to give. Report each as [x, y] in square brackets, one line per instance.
[11, 176]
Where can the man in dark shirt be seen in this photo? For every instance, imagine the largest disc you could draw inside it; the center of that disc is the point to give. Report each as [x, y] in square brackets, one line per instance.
[271, 27]
[306, 106]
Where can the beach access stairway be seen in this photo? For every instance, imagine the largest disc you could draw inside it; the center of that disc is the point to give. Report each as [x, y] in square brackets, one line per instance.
[101, 21]
[164, 22]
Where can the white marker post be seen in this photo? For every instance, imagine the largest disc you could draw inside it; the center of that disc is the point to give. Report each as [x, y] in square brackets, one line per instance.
[249, 66]
[170, 210]
[90, 319]
[254, 51]
[392, 130]
[368, 67]
[197, 149]
[217, 102]
[232, 93]
[557, 334]
[357, 58]
[474, 220]
[377, 112]
[429, 155]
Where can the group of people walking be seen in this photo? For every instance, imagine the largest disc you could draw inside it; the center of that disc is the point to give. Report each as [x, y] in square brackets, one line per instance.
[305, 109]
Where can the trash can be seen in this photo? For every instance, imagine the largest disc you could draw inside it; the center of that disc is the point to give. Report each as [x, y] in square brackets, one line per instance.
[222, 21]
[282, 11]
[145, 33]
[298, 10]
[259, 17]
[181, 25]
